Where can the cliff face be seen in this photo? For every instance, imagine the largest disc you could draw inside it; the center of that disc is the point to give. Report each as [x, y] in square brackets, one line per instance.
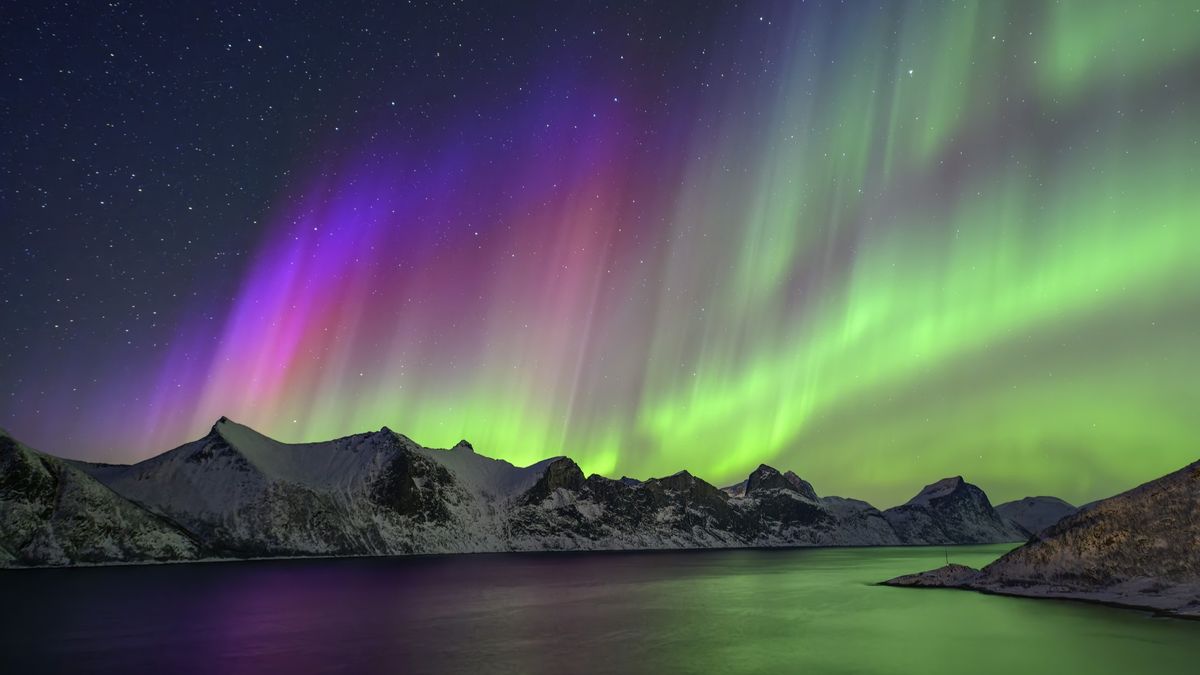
[237, 493]
[1139, 548]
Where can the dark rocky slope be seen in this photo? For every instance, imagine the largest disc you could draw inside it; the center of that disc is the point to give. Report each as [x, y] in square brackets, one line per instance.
[51, 513]
[1140, 548]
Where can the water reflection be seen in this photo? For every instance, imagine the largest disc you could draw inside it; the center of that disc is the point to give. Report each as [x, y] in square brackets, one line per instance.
[735, 611]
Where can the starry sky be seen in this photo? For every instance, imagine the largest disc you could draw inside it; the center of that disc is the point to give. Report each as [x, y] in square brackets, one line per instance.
[876, 243]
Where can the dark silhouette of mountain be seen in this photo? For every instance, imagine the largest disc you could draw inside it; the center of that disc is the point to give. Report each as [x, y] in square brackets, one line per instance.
[1034, 514]
[1136, 549]
[236, 493]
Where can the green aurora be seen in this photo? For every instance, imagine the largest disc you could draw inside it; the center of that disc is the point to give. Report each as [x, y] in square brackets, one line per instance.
[1004, 218]
[890, 244]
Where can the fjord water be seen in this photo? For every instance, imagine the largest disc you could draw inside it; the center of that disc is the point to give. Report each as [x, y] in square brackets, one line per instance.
[787, 610]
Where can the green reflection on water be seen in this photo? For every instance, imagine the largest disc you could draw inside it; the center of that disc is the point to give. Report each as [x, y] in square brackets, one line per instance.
[820, 611]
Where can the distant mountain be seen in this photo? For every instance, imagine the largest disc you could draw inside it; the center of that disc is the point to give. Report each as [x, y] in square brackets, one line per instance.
[1139, 548]
[567, 511]
[951, 511]
[54, 514]
[1034, 514]
[236, 493]
[736, 490]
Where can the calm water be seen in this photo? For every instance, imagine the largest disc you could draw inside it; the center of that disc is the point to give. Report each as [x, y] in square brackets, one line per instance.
[730, 611]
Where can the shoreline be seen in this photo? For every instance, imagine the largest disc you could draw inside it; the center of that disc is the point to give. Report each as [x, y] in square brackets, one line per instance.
[1188, 609]
[432, 554]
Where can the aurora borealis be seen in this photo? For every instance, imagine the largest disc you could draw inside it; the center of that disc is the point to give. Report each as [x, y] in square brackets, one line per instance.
[874, 243]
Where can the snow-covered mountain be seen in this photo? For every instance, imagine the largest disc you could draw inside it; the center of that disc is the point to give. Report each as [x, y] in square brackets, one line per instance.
[1034, 514]
[244, 494]
[238, 493]
[51, 513]
[951, 511]
[1140, 548]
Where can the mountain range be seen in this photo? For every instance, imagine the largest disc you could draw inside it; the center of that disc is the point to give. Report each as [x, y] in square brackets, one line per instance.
[1140, 548]
[236, 493]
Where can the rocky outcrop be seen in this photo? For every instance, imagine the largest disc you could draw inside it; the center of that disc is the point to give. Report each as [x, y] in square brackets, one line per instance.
[951, 511]
[951, 575]
[801, 486]
[1136, 549]
[1034, 514]
[562, 473]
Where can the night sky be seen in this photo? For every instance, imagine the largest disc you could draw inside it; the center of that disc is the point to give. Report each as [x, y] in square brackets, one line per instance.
[874, 243]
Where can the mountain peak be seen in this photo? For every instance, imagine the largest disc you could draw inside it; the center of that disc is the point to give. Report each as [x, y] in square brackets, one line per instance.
[952, 510]
[231, 431]
[464, 445]
[221, 423]
[939, 489]
[765, 478]
[1042, 499]
[769, 478]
